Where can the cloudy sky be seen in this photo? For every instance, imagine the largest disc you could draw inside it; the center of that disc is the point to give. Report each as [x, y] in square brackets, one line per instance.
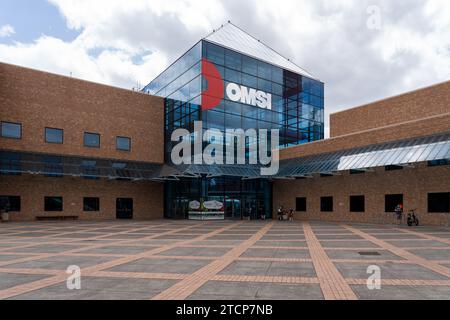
[362, 50]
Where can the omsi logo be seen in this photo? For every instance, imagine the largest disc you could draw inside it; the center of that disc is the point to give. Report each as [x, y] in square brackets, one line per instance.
[214, 94]
[250, 96]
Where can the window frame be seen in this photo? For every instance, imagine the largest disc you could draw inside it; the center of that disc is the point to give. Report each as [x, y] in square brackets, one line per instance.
[13, 123]
[91, 133]
[303, 202]
[322, 203]
[438, 193]
[16, 209]
[96, 207]
[51, 128]
[393, 208]
[129, 143]
[47, 209]
[351, 204]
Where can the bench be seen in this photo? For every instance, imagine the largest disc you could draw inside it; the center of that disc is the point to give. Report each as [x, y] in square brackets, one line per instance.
[46, 218]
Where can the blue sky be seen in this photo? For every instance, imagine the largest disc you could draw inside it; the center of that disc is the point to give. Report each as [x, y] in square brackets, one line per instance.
[32, 18]
[363, 50]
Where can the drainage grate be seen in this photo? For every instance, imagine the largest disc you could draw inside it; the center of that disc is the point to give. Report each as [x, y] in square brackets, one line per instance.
[369, 253]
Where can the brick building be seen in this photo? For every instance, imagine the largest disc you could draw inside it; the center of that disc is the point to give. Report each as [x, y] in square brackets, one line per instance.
[71, 148]
[368, 192]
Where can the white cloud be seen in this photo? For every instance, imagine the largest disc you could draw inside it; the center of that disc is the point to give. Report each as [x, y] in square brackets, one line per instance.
[329, 38]
[6, 31]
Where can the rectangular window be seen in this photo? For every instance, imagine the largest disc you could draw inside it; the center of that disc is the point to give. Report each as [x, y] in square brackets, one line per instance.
[11, 130]
[53, 135]
[10, 203]
[300, 204]
[437, 163]
[91, 140]
[10, 163]
[392, 168]
[439, 202]
[89, 170]
[91, 204]
[326, 204]
[357, 204]
[123, 143]
[53, 166]
[391, 201]
[53, 204]
[356, 171]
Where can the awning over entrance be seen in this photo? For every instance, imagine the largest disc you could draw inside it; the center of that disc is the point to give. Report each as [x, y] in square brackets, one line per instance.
[12, 162]
[404, 152]
[195, 170]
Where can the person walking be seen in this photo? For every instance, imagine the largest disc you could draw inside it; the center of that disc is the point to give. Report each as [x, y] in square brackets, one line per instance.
[280, 213]
[291, 214]
[399, 213]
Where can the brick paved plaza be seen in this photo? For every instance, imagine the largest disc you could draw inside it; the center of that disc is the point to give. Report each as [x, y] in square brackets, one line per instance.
[222, 260]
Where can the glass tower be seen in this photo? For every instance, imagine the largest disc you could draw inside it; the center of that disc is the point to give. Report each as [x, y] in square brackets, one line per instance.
[297, 111]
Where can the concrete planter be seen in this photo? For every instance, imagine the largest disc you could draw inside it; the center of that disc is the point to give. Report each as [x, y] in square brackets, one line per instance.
[5, 216]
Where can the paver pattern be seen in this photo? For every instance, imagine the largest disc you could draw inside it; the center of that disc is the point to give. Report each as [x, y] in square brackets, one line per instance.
[166, 259]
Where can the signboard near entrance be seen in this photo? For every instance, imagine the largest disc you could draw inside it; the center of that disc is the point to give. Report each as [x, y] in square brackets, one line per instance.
[208, 210]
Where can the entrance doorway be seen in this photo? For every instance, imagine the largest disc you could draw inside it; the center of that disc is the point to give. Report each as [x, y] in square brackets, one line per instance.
[124, 208]
[253, 207]
[233, 209]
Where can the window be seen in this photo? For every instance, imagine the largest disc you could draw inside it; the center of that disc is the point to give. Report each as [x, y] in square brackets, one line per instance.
[89, 170]
[91, 140]
[356, 171]
[249, 65]
[325, 175]
[10, 203]
[53, 166]
[391, 201]
[123, 143]
[439, 202]
[357, 204]
[91, 204]
[437, 163]
[10, 163]
[326, 204]
[53, 135]
[392, 168]
[300, 204]
[233, 60]
[11, 130]
[53, 204]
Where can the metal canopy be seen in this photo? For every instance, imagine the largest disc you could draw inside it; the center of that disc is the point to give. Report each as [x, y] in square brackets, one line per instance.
[196, 170]
[404, 152]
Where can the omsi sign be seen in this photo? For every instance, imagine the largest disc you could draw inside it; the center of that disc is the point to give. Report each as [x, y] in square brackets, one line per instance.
[249, 96]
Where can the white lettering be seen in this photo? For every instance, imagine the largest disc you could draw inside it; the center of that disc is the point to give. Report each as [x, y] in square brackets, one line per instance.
[249, 96]
[221, 147]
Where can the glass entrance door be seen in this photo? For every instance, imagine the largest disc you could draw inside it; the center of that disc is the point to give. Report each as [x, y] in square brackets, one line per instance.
[233, 209]
[180, 208]
[124, 208]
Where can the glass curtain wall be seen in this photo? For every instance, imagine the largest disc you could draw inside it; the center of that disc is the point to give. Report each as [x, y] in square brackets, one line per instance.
[297, 111]
[297, 101]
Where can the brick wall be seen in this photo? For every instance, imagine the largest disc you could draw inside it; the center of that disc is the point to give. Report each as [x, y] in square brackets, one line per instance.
[147, 196]
[39, 99]
[414, 105]
[414, 183]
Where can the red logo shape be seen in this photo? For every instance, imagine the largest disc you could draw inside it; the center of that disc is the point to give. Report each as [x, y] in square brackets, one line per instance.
[213, 95]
